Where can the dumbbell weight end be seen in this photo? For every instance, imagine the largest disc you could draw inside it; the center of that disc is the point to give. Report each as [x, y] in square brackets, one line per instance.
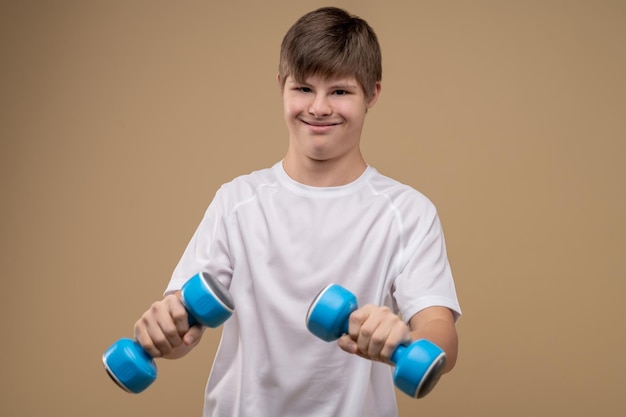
[329, 313]
[418, 367]
[129, 366]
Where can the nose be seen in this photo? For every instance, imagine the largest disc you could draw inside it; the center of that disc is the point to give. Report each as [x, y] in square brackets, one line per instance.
[320, 106]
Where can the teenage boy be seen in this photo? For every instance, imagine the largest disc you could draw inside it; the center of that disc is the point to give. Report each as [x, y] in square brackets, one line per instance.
[322, 215]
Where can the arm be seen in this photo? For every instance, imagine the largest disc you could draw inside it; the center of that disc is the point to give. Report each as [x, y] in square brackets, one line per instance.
[437, 325]
[163, 330]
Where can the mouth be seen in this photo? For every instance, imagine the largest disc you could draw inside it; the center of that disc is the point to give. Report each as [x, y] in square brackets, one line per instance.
[319, 123]
[320, 127]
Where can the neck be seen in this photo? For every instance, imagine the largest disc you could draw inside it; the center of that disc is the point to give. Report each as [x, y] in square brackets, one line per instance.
[326, 173]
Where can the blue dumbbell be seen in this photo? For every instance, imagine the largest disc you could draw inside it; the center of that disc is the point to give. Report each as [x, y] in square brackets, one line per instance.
[418, 366]
[207, 302]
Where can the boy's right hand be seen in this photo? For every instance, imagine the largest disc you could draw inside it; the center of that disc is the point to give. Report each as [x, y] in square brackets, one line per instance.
[163, 330]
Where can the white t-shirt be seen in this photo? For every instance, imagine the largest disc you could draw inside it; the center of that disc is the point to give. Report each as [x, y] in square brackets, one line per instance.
[276, 243]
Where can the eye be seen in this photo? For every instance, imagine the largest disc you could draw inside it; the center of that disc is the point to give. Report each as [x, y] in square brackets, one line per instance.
[303, 89]
[341, 92]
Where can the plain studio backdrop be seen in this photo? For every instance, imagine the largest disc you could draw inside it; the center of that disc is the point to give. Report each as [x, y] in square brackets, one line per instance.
[119, 119]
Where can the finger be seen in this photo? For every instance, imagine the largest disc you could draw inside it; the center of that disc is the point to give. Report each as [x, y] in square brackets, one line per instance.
[375, 337]
[156, 331]
[143, 338]
[371, 336]
[379, 333]
[150, 336]
[355, 321]
[358, 318]
[178, 313]
[166, 334]
[174, 321]
[399, 334]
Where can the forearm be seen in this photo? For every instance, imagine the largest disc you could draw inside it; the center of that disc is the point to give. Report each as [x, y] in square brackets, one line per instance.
[438, 327]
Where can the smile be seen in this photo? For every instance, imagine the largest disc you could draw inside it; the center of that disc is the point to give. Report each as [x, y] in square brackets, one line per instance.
[320, 124]
[320, 128]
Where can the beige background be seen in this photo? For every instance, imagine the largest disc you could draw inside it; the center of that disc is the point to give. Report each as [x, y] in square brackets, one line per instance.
[119, 119]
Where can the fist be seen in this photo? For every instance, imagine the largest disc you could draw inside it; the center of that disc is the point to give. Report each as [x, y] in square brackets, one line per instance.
[374, 332]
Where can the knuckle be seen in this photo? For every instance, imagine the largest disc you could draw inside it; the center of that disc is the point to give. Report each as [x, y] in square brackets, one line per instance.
[160, 340]
[356, 317]
[367, 332]
[150, 347]
[377, 340]
[170, 333]
[162, 346]
[385, 311]
[153, 311]
[179, 316]
[142, 324]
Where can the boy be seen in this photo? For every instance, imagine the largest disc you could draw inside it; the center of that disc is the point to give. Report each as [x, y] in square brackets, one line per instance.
[277, 236]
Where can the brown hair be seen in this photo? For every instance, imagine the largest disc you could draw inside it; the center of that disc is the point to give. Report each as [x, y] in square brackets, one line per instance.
[330, 42]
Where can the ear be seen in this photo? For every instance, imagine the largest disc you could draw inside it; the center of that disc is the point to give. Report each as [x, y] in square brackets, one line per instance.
[281, 85]
[374, 97]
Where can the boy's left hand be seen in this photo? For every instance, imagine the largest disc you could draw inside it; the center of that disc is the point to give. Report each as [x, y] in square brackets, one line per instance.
[374, 333]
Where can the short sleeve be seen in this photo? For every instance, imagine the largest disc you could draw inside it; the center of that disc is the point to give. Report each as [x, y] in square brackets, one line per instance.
[426, 278]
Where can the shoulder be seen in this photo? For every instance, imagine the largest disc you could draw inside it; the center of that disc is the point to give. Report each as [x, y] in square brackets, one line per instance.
[248, 183]
[245, 187]
[252, 180]
[403, 197]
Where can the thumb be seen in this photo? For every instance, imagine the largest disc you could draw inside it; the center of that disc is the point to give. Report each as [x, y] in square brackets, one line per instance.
[194, 335]
[346, 343]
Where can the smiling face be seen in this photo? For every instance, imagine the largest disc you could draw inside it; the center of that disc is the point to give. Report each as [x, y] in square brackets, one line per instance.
[325, 118]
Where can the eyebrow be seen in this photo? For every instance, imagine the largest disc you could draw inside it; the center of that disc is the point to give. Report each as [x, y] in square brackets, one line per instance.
[339, 85]
[344, 86]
